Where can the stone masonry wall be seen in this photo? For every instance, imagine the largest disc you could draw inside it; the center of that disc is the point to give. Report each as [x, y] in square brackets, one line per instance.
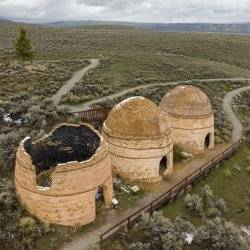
[71, 198]
[190, 133]
[140, 159]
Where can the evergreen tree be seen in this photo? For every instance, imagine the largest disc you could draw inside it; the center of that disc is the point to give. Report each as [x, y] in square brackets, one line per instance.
[23, 46]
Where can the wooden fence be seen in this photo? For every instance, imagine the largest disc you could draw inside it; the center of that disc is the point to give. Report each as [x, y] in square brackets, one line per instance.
[172, 193]
[94, 116]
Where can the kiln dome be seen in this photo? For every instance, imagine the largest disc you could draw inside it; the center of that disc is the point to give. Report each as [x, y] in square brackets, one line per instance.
[136, 118]
[187, 101]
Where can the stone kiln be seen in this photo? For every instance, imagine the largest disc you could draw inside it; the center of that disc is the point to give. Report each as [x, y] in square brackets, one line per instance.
[75, 162]
[139, 139]
[191, 119]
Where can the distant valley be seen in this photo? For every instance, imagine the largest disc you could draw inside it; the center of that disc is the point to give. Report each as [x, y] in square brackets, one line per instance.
[165, 27]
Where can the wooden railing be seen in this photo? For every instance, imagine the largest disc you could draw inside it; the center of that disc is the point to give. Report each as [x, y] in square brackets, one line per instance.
[171, 193]
[94, 116]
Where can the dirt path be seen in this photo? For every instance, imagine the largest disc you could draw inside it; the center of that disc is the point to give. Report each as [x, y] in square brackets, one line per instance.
[87, 105]
[112, 216]
[237, 127]
[75, 79]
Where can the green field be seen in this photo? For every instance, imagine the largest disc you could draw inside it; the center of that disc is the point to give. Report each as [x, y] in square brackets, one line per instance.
[233, 188]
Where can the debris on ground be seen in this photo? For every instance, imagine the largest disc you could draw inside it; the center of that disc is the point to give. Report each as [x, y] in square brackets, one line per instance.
[135, 189]
[120, 185]
[11, 121]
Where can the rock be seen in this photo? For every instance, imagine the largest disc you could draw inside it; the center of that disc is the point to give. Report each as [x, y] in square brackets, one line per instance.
[187, 156]
[248, 169]
[135, 189]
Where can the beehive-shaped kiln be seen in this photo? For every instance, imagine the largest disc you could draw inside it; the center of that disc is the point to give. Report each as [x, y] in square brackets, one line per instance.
[190, 115]
[139, 138]
[72, 163]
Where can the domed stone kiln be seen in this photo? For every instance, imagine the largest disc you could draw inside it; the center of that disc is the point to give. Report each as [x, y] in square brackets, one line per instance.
[139, 140]
[189, 112]
[57, 177]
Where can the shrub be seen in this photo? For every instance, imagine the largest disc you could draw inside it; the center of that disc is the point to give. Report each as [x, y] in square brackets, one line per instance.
[7, 195]
[2, 112]
[9, 143]
[43, 179]
[221, 205]
[53, 244]
[194, 203]
[28, 230]
[139, 246]
[62, 110]
[27, 225]
[158, 232]
[39, 116]
[178, 155]
[47, 228]
[227, 173]
[248, 169]
[213, 212]
[207, 195]
[247, 135]
[219, 234]
[35, 117]
[97, 247]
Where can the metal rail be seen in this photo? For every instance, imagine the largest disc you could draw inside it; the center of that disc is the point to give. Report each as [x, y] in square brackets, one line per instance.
[173, 192]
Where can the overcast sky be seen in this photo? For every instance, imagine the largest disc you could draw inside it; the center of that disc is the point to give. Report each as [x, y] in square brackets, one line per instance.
[222, 11]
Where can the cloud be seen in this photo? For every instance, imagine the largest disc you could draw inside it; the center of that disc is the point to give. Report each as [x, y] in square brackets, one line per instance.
[129, 10]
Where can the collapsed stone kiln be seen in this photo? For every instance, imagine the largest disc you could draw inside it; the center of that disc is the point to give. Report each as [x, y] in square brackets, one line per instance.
[139, 140]
[191, 118]
[57, 177]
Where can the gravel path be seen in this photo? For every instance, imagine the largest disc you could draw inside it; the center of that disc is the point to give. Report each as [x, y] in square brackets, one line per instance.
[87, 105]
[65, 89]
[112, 216]
[237, 126]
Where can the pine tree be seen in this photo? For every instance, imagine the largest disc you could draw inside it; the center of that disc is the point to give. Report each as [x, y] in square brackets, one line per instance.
[23, 46]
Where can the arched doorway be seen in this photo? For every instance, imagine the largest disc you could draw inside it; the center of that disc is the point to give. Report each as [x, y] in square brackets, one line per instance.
[99, 199]
[163, 165]
[207, 141]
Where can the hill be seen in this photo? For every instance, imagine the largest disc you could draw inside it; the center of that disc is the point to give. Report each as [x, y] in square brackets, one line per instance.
[137, 55]
[200, 27]
[165, 27]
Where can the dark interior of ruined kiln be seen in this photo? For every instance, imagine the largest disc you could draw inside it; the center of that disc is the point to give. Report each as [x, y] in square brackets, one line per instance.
[64, 144]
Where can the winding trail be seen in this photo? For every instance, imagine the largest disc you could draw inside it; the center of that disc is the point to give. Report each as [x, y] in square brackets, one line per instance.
[94, 63]
[87, 105]
[112, 216]
[65, 89]
[227, 101]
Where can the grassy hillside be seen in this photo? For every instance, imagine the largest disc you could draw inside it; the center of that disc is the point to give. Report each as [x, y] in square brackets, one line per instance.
[133, 49]
[135, 56]
[130, 57]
